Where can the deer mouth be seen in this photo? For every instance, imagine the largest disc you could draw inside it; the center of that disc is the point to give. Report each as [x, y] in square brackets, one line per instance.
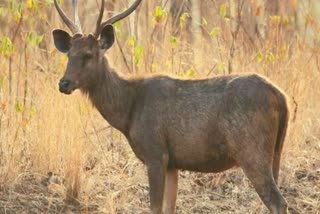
[67, 92]
[66, 87]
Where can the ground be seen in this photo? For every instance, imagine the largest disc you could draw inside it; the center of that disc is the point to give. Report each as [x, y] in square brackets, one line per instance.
[228, 192]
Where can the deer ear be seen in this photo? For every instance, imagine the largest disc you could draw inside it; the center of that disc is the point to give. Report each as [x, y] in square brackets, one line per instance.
[62, 40]
[107, 37]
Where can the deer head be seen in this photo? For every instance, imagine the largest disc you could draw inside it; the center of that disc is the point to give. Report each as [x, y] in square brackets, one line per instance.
[85, 52]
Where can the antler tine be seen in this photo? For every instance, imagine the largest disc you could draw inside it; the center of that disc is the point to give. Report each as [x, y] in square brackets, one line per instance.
[98, 27]
[121, 15]
[74, 28]
[76, 14]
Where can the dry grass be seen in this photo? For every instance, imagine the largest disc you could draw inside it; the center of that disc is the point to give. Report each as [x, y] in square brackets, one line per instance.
[96, 170]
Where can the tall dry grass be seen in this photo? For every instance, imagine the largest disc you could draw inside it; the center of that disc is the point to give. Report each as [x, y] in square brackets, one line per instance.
[44, 131]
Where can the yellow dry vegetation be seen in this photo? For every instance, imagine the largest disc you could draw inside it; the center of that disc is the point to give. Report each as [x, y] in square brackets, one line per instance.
[43, 132]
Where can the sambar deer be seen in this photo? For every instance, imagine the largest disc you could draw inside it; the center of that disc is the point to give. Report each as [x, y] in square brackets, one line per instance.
[205, 125]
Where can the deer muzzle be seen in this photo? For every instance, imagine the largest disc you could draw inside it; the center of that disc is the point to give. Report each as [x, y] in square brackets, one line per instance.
[65, 86]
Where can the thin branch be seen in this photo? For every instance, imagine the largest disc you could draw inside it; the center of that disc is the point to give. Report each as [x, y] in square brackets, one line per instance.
[234, 35]
[123, 56]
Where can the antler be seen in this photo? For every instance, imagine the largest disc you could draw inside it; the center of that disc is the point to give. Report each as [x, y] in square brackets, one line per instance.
[74, 27]
[76, 14]
[114, 18]
[98, 28]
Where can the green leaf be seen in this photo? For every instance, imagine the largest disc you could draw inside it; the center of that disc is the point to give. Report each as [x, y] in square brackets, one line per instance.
[132, 41]
[32, 4]
[159, 14]
[34, 39]
[190, 73]
[49, 3]
[153, 67]
[276, 19]
[174, 40]
[285, 20]
[6, 47]
[221, 67]
[19, 106]
[138, 53]
[183, 19]
[1, 12]
[1, 81]
[271, 57]
[11, 5]
[223, 10]
[19, 9]
[117, 27]
[32, 111]
[204, 21]
[30, 37]
[39, 39]
[259, 57]
[17, 15]
[83, 109]
[214, 32]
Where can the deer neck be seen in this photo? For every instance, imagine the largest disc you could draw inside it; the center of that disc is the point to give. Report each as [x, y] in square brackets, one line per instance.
[113, 96]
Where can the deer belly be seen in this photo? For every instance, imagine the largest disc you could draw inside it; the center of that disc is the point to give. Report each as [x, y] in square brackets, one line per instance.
[201, 159]
[211, 165]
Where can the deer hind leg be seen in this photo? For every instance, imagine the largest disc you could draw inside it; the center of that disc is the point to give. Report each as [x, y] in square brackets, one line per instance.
[259, 172]
[170, 192]
[276, 166]
[276, 159]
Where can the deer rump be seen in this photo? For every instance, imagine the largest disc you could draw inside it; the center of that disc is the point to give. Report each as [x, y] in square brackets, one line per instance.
[207, 125]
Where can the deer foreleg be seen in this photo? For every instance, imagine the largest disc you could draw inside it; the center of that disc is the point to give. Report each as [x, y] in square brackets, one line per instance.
[156, 175]
[170, 192]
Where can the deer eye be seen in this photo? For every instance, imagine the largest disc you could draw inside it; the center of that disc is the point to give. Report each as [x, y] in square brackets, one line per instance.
[85, 58]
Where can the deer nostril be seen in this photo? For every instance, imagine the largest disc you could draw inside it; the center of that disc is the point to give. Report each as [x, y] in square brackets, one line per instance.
[63, 85]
